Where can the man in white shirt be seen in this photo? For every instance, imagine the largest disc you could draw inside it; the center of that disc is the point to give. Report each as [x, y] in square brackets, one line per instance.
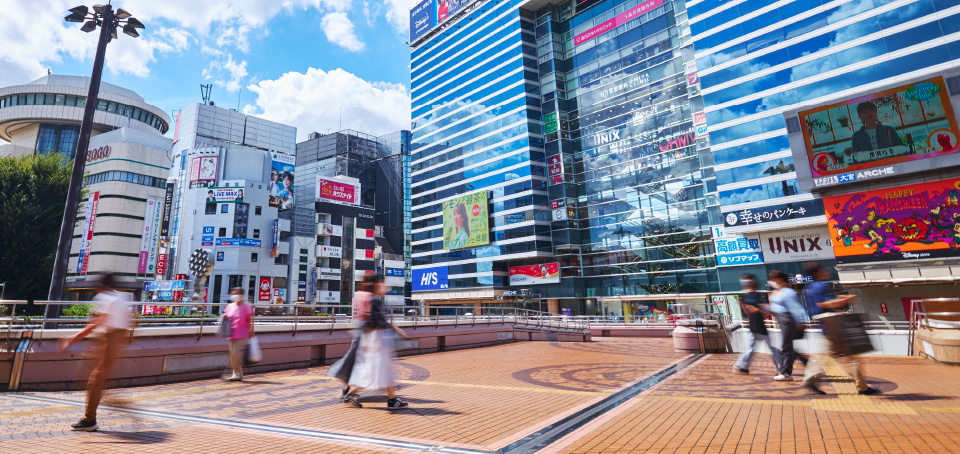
[111, 320]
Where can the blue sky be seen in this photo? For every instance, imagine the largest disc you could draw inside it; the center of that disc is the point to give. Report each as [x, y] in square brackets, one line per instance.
[300, 62]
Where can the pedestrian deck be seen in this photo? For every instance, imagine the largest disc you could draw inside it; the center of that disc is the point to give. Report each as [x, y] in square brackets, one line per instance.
[610, 395]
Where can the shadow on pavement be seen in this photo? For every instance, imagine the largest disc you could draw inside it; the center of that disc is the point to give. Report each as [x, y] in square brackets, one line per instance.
[142, 438]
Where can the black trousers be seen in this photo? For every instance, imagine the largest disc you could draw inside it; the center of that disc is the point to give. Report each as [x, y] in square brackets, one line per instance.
[789, 330]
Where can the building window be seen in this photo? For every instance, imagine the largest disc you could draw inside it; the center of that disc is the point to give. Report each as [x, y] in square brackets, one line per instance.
[57, 139]
[225, 208]
[256, 233]
[257, 210]
[223, 231]
[210, 209]
[303, 251]
[254, 257]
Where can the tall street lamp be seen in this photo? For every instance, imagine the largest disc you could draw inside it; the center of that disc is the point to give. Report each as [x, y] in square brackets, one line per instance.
[108, 20]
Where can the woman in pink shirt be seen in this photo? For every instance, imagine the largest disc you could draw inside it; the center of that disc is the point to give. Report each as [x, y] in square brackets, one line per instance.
[241, 329]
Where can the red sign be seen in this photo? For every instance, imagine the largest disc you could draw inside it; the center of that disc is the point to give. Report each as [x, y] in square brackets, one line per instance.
[178, 294]
[337, 190]
[264, 292]
[98, 153]
[162, 265]
[555, 168]
[699, 118]
[883, 308]
[616, 21]
[368, 254]
[546, 273]
[680, 141]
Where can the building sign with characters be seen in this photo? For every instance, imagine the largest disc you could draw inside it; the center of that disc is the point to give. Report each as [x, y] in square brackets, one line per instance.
[920, 221]
[465, 222]
[546, 273]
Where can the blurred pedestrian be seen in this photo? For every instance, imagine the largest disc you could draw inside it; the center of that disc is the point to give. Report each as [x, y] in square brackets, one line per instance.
[240, 315]
[789, 314]
[752, 304]
[820, 299]
[343, 368]
[111, 322]
[374, 366]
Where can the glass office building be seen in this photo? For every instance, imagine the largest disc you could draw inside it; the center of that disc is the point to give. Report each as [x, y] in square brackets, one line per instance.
[758, 59]
[601, 194]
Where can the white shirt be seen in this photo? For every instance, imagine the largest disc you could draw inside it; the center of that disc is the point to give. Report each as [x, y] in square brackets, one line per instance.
[872, 135]
[115, 306]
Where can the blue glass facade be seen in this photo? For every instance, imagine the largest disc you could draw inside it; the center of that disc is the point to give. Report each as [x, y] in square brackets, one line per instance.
[758, 59]
[476, 128]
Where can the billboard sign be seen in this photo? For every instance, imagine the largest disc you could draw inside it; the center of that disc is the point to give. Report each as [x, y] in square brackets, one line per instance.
[327, 296]
[616, 21]
[237, 242]
[430, 279]
[146, 236]
[263, 291]
[203, 171]
[393, 272]
[558, 210]
[155, 208]
[338, 191]
[153, 286]
[276, 237]
[798, 245]
[224, 195]
[904, 123]
[423, 17]
[329, 274]
[774, 213]
[161, 264]
[329, 229]
[86, 240]
[281, 180]
[465, 222]
[167, 208]
[555, 169]
[733, 249]
[546, 273]
[331, 251]
[919, 221]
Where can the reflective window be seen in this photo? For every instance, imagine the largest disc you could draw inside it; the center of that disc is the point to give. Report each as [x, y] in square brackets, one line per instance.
[760, 192]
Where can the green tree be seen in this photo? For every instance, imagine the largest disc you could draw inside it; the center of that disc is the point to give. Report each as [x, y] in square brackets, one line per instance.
[32, 194]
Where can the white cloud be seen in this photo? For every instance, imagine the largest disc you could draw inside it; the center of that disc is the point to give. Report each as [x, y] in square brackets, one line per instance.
[223, 70]
[339, 30]
[313, 101]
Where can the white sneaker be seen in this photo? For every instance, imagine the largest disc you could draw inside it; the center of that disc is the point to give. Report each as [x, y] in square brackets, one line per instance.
[783, 377]
[235, 377]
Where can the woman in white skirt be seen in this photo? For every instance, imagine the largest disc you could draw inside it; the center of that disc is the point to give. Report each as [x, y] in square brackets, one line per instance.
[373, 368]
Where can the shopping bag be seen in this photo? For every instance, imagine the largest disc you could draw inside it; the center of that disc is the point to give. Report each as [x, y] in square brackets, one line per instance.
[845, 333]
[224, 330]
[343, 368]
[254, 354]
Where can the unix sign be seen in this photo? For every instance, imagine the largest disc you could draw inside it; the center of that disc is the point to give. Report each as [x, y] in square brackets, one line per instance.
[98, 153]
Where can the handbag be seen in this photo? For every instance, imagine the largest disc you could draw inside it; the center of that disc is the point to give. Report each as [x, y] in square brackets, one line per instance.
[845, 333]
[224, 330]
[799, 331]
[254, 354]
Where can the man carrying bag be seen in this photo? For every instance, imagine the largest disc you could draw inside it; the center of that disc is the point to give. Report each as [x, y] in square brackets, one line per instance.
[844, 332]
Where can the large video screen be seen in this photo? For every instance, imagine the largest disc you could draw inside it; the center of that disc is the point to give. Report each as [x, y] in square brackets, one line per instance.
[919, 221]
[465, 223]
[901, 124]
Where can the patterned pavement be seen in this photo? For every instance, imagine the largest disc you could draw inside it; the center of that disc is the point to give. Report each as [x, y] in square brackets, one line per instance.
[490, 399]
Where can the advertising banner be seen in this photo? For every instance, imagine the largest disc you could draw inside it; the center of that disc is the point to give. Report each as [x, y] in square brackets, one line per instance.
[327, 274]
[161, 264]
[154, 235]
[263, 291]
[616, 21]
[331, 251]
[145, 238]
[797, 245]
[313, 284]
[920, 221]
[207, 238]
[465, 221]
[783, 212]
[276, 237]
[733, 250]
[167, 208]
[152, 286]
[339, 191]
[225, 195]
[547, 273]
[902, 124]
[558, 208]
[329, 229]
[430, 279]
[281, 181]
[447, 8]
[394, 272]
[203, 171]
[86, 239]
[555, 169]
[237, 242]
[423, 17]
[327, 296]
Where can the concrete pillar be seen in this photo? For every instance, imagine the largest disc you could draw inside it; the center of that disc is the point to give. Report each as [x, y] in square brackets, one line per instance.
[553, 306]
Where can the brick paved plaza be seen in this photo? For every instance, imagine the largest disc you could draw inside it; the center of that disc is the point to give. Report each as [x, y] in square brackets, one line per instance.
[611, 395]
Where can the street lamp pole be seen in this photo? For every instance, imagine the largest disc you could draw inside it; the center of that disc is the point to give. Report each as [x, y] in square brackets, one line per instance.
[108, 20]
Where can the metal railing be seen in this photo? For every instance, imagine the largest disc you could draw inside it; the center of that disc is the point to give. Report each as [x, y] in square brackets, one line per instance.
[295, 315]
[920, 318]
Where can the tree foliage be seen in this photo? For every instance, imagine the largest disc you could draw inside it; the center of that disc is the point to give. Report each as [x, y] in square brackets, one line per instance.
[33, 190]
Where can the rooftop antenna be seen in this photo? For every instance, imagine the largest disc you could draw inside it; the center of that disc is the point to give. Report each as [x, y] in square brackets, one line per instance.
[205, 92]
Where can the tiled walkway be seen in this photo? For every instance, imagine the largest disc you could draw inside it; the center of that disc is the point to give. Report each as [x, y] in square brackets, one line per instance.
[497, 398]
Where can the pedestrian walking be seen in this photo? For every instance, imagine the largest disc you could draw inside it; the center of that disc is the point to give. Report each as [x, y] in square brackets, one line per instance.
[820, 299]
[374, 365]
[111, 322]
[343, 368]
[240, 316]
[752, 304]
[789, 313]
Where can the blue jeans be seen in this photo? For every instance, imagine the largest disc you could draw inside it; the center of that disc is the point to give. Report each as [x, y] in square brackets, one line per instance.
[743, 361]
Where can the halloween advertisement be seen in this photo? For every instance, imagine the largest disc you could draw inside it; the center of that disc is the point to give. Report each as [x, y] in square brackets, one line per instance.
[920, 221]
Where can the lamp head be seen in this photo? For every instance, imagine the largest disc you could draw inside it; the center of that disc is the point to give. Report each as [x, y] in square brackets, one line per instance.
[77, 14]
[122, 14]
[89, 26]
[130, 31]
[133, 22]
